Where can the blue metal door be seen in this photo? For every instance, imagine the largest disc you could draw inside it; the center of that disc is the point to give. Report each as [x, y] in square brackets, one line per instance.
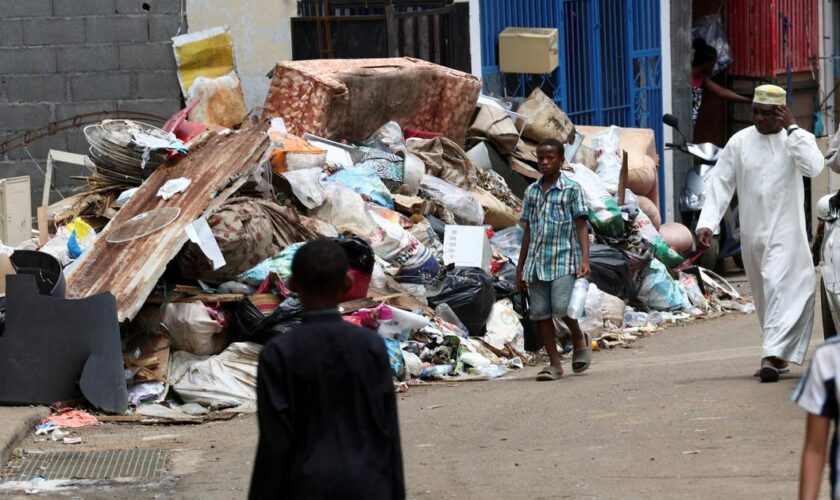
[610, 59]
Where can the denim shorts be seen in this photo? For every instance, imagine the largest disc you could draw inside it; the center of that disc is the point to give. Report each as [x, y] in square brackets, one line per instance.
[550, 299]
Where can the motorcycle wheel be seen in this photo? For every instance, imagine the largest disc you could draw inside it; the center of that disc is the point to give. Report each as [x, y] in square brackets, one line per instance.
[709, 259]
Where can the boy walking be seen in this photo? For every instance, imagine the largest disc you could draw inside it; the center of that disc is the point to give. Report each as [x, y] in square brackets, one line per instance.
[325, 400]
[555, 252]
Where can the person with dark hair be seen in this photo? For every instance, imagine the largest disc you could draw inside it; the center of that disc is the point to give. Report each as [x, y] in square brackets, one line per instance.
[326, 407]
[702, 67]
[555, 252]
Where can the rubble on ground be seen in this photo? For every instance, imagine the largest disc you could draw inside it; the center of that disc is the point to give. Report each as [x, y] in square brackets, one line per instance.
[192, 229]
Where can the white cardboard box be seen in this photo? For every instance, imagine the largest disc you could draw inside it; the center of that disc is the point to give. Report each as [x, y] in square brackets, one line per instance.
[467, 246]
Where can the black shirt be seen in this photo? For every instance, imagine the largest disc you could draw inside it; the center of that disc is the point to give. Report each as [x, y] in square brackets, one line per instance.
[327, 415]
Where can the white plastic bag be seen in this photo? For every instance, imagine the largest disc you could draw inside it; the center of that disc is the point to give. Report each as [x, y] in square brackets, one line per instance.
[606, 145]
[604, 213]
[509, 242]
[346, 211]
[173, 187]
[503, 326]
[413, 171]
[306, 186]
[466, 209]
[593, 322]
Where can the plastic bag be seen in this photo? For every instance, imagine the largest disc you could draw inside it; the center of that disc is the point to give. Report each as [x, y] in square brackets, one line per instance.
[400, 249]
[606, 144]
[611, 272]
[413, 363]
[711, 30]
[692, 289]
[604, 213]
[660, 292]
[593, 321]
[503, 325]
[280, 264]
[466, 209]
[126, 195]
[250, 325]
[413, 171]
[364, 180]
[388, 137]
[346, 211]
[661, 249]
[395, 357]
[470, 293]
[306, 186]
[193, 329]
[509, 242]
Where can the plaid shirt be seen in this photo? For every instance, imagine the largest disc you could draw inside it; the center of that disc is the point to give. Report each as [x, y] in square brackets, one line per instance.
[554, 250]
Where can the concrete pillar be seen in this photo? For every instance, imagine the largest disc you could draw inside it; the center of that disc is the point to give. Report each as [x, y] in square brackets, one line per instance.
[677, 93]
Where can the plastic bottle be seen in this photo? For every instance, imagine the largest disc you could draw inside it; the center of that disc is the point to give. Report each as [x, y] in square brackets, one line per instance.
[444, 312]
[634, 319]
[578, 301]
[656, 319]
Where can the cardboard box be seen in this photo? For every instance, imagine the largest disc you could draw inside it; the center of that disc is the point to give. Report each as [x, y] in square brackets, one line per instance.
[467, 246]
[528, 50]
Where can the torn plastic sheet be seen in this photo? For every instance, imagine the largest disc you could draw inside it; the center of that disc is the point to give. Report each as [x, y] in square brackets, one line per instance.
[200, 233]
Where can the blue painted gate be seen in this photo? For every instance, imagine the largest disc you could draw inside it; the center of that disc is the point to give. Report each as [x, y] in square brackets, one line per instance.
[610, 59]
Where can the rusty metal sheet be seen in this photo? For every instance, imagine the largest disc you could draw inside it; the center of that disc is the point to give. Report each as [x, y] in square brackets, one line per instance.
[130, 270]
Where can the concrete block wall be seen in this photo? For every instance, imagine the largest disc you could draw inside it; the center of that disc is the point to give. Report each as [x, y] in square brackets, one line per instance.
[59, 58]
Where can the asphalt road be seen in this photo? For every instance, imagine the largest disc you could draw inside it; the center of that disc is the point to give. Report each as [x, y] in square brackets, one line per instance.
[678, 415]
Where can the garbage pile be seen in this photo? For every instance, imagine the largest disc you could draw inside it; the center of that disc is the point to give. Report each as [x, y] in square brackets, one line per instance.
[186, 279]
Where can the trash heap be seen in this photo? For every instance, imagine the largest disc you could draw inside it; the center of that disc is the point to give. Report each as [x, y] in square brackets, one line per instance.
[173, 286]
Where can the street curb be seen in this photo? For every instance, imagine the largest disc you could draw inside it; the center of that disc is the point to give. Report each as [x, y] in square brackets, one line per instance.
[23, 425]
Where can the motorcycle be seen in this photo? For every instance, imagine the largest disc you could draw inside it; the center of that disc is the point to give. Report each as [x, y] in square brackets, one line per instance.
[727, 239]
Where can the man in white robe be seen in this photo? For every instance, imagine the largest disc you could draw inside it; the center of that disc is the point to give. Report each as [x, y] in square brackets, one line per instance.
[765, 164]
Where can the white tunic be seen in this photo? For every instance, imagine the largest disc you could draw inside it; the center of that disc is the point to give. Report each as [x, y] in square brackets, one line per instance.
[767, 172]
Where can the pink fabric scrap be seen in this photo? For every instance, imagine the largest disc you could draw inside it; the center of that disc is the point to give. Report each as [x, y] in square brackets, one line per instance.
[72, 419]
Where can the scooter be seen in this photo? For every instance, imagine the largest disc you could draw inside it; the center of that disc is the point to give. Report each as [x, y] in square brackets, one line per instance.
[727, 239]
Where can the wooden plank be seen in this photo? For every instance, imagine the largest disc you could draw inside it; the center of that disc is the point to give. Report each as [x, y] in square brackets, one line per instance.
[408, 34]
[437, 42]
[423, 36]
[392, 29]
[43, 226]
[200, 297]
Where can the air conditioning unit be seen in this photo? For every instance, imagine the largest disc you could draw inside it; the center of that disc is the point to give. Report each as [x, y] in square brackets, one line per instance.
[15, 210]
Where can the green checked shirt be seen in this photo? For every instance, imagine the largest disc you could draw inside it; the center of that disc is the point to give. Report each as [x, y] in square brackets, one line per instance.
[554, 250]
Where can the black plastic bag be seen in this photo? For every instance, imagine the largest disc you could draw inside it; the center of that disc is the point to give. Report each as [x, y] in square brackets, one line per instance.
[611, 272]
[504, 289]
[249, 324]
[359, 254]
[471, 293]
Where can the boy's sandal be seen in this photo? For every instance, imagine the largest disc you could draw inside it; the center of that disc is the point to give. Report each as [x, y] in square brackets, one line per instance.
[549, 373]
[582, 357]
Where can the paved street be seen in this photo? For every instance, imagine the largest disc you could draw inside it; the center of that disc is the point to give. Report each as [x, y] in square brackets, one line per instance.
[678, 415]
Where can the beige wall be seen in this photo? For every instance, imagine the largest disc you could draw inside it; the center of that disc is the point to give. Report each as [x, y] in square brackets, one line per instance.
[261, 36]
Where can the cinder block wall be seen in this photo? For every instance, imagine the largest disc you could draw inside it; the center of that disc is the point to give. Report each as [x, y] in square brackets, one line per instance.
[59, 58]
